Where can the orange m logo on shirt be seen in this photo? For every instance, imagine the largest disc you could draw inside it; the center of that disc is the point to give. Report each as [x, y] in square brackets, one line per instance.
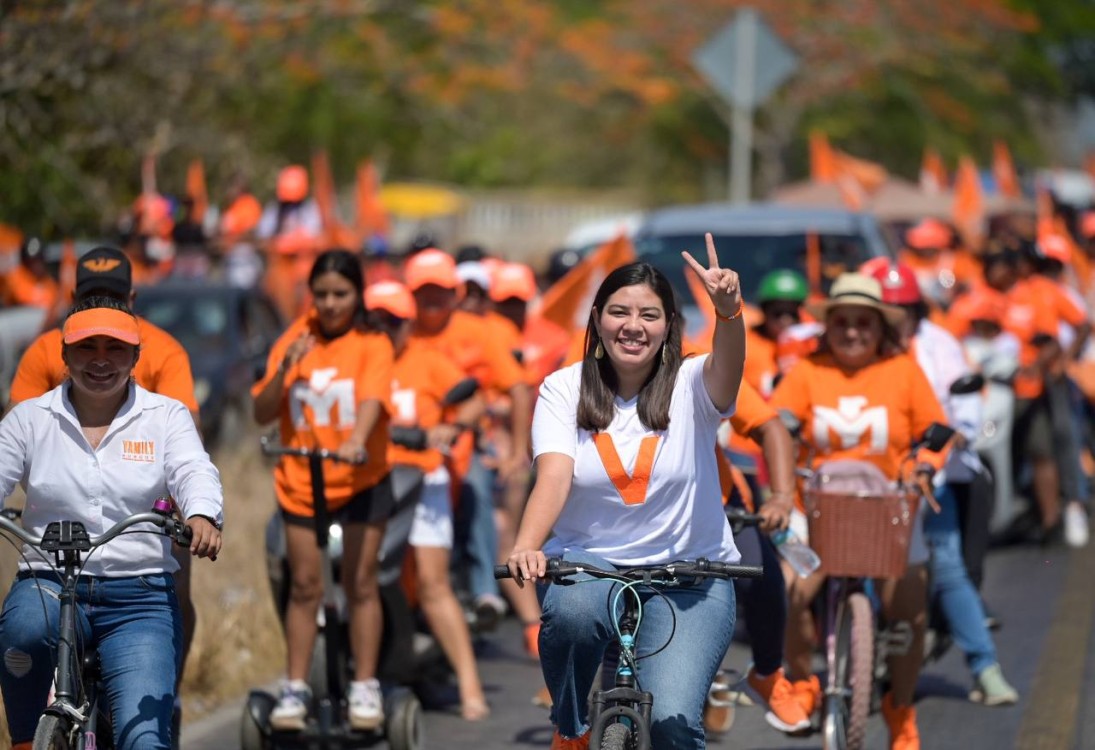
[849, 421]
[323, 395]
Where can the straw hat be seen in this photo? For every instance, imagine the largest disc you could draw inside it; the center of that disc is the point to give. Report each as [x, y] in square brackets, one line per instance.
[860, 291]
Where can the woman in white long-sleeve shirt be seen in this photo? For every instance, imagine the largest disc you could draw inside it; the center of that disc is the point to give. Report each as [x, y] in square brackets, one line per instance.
[97, 449]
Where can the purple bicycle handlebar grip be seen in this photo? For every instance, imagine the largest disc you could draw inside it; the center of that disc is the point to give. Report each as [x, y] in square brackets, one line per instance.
[163, 505]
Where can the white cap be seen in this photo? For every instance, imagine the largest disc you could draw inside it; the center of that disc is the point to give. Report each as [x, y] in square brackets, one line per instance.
[475, 272]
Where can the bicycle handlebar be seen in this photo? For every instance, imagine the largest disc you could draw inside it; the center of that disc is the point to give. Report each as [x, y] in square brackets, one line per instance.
[272, 449]
[177, 530]
[559, 569]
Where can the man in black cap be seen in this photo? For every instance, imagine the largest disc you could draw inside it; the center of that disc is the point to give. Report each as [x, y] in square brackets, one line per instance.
[163, 368]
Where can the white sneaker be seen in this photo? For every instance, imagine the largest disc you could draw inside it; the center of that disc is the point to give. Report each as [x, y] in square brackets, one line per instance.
[366, 705]
[292, 707]
[1076, 526]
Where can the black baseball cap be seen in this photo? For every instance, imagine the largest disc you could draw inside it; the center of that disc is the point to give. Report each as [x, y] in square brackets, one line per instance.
[106, 270]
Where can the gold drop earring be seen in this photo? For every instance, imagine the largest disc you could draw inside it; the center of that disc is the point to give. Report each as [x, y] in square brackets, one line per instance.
[599, 352]
[665, 354]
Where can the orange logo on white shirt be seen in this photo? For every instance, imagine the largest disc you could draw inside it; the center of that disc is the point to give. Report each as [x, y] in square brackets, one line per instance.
[850, 420]
[139, 450]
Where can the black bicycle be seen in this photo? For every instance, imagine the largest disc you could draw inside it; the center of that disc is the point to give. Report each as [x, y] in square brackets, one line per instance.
[620, 716]
[78, 716]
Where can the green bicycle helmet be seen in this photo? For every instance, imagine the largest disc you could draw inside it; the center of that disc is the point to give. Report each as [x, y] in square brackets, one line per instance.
[783, 284]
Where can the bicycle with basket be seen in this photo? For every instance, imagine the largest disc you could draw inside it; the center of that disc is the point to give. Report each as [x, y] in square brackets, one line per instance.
[861, 525]
[620, 716]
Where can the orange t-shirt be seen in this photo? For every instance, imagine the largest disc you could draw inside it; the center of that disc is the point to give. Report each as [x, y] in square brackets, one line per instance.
[319, 406]
[162, 368]
[761, 365]
[24, 288]
[421, 378]
[872, 414]
[751, 411]
[1038, 305]
[544, 346]
[467, 342]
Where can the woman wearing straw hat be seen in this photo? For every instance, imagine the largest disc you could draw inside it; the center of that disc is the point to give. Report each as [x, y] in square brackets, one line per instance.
[861, 397]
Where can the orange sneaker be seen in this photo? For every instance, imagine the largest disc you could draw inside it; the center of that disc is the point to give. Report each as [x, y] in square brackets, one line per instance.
[558, 742]
[532, 640]
[543, 698]
[785, 713]
[902, 723]
[720, 707]
[808, 694]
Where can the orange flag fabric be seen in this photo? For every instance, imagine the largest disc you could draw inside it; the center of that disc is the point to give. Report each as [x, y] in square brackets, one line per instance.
[324, 193]
[823, 166]
[371, 219]
[196, 190]
[1003, 170]
[968, 209]
[933, 173]
[568, 301]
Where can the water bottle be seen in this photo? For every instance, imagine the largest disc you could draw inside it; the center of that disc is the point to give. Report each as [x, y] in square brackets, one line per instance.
[803, 560]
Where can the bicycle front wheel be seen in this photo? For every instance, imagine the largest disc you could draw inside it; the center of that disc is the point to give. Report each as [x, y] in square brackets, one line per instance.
[846, 710]
[54, 733]
[616, 737]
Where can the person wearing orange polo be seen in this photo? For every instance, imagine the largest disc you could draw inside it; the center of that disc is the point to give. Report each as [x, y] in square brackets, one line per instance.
[424, 385]
[861, 397]
[327, 384]
[543, 344]
[290, 231]
[460, 336]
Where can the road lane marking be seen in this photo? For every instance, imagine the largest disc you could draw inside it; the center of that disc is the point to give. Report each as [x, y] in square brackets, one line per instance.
[1049, 722]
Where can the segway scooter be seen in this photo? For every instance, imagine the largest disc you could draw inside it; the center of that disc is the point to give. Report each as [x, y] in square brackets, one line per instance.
[328, 727]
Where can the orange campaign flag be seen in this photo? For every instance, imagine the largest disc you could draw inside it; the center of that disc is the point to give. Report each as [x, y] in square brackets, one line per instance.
[933, 173]
[324, 192]
[196, 190]
[868, 175]
[968, 209]
[1003, 170]
[66, 275]
[568, 301]
[823, 166]
[370, 217]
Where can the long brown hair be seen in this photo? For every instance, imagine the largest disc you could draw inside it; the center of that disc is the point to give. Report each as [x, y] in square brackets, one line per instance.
[597, 392]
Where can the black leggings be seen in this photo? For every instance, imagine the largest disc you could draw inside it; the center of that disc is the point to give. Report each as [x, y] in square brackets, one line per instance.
[764, 599]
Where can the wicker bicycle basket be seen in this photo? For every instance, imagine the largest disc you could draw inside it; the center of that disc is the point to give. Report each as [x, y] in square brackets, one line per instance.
[861, 535]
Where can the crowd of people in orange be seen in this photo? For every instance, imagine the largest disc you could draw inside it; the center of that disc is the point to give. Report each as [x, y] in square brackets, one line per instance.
[456, 343]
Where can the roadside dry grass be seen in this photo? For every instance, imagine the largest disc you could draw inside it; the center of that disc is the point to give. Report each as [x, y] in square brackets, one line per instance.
[238, 643]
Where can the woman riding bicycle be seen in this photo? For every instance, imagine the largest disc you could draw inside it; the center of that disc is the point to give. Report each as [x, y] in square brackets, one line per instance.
[861, 397]
[327, 383]
[96, 449]
[625, 476]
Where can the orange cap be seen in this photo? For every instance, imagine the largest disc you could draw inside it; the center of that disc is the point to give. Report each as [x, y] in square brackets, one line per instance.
[512, 280]
[431, 266]
[1087, 224]
[101, 321]
[391, 297]
[292, 184]
[983, 304]
[242, 216]
[929, 234]
[1054, 247]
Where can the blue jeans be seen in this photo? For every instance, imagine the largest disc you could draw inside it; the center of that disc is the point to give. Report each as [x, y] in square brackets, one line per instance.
[577, 627]
[134, 622]
[479, 534]
[951, 586]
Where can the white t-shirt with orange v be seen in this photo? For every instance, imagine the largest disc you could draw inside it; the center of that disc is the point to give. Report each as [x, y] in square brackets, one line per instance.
[676, 514]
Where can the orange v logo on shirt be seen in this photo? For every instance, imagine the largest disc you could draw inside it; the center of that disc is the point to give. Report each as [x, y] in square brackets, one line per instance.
[631, 488]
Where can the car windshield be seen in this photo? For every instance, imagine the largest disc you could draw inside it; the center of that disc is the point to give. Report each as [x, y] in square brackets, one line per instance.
[199, 323]
[752, 256]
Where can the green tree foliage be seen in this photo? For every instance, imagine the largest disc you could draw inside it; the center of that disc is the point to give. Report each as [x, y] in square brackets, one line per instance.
[492, 92]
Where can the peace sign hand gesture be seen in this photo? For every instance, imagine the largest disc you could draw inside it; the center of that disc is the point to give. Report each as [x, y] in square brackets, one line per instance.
[722, 284]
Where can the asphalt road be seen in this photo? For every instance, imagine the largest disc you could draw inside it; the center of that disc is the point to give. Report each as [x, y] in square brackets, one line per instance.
[1046, 599]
